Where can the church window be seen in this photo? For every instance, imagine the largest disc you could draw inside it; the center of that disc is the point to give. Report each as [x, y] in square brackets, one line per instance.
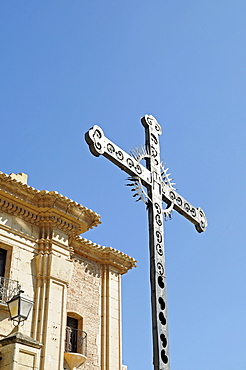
[72, 334]
[76, 338]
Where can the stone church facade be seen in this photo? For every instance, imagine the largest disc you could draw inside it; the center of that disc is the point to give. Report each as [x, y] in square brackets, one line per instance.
[75, 284]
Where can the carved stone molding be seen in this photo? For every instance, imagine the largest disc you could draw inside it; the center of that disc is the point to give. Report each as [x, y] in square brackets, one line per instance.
[120, 261]
[43, 207]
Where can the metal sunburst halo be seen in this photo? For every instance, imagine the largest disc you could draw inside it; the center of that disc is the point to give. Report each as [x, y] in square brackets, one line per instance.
[139, 154]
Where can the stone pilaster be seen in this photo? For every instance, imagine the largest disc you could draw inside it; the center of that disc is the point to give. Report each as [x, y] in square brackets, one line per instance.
[53, 274]
[111, 320]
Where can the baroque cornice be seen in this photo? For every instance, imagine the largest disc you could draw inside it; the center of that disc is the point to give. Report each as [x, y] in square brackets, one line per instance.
[103, 255]
[43, 207]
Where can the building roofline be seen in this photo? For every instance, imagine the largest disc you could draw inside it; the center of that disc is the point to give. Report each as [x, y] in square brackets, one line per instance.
[24, 200]
[103, 255]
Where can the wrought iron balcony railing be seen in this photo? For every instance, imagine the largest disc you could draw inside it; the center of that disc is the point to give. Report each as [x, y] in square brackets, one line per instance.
[8, 288]
[76, 341]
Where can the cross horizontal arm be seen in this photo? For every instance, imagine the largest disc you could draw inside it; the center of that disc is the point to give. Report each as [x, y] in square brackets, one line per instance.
[100, 145]
[194, 215]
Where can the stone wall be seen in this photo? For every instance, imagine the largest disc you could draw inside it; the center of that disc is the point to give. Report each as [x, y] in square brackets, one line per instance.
[84, 300]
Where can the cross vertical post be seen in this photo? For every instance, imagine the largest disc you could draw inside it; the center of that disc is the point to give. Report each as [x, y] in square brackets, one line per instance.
[159, 190]
[156, 247]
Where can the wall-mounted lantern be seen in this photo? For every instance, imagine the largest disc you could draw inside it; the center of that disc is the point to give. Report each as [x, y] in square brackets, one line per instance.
[19, 307]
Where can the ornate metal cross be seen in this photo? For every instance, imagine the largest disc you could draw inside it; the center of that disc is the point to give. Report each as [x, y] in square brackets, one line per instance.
[159, 189]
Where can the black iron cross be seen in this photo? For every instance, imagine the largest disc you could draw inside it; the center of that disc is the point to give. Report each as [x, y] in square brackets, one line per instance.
[159, 190]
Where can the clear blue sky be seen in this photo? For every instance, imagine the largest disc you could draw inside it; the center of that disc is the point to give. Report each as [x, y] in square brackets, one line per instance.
[67, 65]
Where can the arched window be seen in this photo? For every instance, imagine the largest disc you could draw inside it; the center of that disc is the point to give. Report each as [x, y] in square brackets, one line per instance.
[76, 338]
